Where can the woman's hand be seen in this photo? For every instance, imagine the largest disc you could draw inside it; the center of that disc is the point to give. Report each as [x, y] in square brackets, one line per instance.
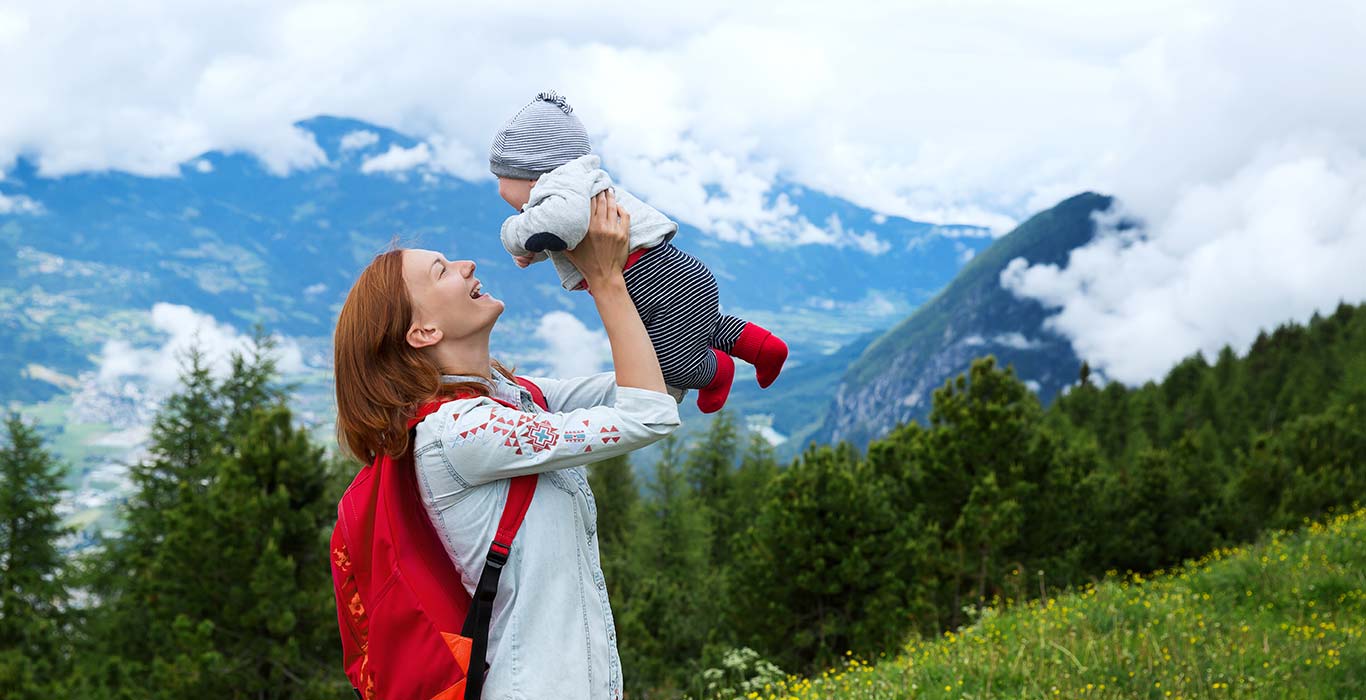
[600, 256]
[603, 252]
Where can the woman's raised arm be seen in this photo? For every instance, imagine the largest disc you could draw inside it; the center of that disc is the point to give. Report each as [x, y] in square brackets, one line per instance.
[600, 257]
[484, 441]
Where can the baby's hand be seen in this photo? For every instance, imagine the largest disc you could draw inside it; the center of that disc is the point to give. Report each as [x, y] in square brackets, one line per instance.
[522, 260]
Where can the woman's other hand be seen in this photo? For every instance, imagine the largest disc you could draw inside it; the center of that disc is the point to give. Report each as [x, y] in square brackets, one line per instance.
[603, 252]
[600, 256]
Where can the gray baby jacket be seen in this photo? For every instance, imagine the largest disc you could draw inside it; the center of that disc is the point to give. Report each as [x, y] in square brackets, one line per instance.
[555, 217]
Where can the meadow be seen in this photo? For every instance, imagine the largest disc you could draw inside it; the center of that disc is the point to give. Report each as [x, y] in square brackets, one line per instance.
[1282, 618]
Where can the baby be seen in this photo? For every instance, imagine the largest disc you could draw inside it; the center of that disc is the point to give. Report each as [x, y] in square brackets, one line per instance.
[546, 172]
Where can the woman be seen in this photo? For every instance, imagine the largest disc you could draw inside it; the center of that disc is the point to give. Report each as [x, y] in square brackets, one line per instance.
[422, 323]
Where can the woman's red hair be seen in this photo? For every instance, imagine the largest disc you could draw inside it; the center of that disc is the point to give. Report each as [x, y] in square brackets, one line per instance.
[381, 379]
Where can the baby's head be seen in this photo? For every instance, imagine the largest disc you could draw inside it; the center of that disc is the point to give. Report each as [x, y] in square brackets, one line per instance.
[542, 136]
[515, 191]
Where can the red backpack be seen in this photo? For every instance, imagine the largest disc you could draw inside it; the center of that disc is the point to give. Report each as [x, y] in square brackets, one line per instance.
[408, 628]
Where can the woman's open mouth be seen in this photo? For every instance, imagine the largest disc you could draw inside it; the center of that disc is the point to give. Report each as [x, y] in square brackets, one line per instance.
[478, 290]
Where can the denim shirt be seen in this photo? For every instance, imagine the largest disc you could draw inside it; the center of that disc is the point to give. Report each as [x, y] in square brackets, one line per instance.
[552, 633]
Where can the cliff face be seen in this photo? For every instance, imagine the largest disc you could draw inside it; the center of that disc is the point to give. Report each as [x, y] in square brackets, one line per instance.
[893, 381]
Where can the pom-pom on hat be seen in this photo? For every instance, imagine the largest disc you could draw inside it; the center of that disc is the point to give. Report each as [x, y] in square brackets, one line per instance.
[542, 136]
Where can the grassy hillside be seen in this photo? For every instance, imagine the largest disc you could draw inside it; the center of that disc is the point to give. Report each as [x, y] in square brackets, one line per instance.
[1281, 619]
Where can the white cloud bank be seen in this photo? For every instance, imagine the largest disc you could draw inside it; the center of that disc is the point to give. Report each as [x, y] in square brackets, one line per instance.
[397, 159]
[1234, 129]
[572, 349]
[1248, 171]
[359, 139]
[184, 328]
[947, 111]
[18, 204]
[1282, 238]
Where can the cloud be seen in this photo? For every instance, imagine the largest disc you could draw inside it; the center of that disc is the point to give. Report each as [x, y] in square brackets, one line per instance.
[963, 111]
[965, 254]
[1018, 341]
[358, 139]
[397, 159]
[874, 303]
[127, 438]
[1282, 238]
[18, 204]
[799, 231]
[183, 328]
[572, 350]
[1012, 340]
[866, 241]
[1247, 172]
[977, 232]
[949, 112]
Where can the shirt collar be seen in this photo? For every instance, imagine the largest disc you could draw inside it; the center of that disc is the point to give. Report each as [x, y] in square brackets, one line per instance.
[500, 387]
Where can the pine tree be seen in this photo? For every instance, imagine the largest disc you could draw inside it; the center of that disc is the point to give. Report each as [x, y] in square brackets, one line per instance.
[1058, 504]
[264, 520]
[826, 566]
[758, 468]
[614, 489]
[128, 575]
[618, 504]
[1320, 458]
[986, 527]
[219, 585]
[33, 593]
[665, 626]
[710, 470]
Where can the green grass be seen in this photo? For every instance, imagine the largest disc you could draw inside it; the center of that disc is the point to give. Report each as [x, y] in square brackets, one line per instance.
[1280, 619]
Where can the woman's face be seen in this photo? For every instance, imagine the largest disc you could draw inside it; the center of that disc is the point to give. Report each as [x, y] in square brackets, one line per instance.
[443, 308]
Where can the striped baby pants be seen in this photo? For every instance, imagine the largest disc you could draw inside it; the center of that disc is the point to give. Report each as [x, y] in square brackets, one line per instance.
[677, 299]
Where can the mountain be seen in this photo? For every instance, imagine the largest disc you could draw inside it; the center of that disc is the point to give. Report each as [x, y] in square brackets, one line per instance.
[229, 239]
[894, 378]
[85, 258]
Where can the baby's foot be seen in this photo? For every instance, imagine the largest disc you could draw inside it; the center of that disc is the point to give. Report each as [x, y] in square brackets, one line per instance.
[759, 347]
[712, 397]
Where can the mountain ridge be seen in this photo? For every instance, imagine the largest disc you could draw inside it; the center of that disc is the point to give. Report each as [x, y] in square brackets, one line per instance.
[894, 378]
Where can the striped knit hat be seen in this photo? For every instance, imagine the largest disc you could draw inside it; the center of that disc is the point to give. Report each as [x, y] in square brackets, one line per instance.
[541, 137]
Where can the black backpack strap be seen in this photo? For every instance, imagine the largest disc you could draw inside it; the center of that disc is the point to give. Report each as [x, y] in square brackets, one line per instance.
[477, 623]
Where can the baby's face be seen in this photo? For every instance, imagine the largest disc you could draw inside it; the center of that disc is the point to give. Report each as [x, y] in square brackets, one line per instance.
[515, 192]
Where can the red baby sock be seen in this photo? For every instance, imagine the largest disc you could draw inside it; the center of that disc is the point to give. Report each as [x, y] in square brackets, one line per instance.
[712, 397]
[767, 352]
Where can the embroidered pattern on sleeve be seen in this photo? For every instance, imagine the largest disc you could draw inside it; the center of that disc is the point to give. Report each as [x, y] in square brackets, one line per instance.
[539, 435]
[523, 433]
[506, 428]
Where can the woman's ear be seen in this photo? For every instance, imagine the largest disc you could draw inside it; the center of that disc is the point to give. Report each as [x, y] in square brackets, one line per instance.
[423, 336]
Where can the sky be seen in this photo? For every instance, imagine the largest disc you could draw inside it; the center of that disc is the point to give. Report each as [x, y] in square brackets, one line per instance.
[1235, 131]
